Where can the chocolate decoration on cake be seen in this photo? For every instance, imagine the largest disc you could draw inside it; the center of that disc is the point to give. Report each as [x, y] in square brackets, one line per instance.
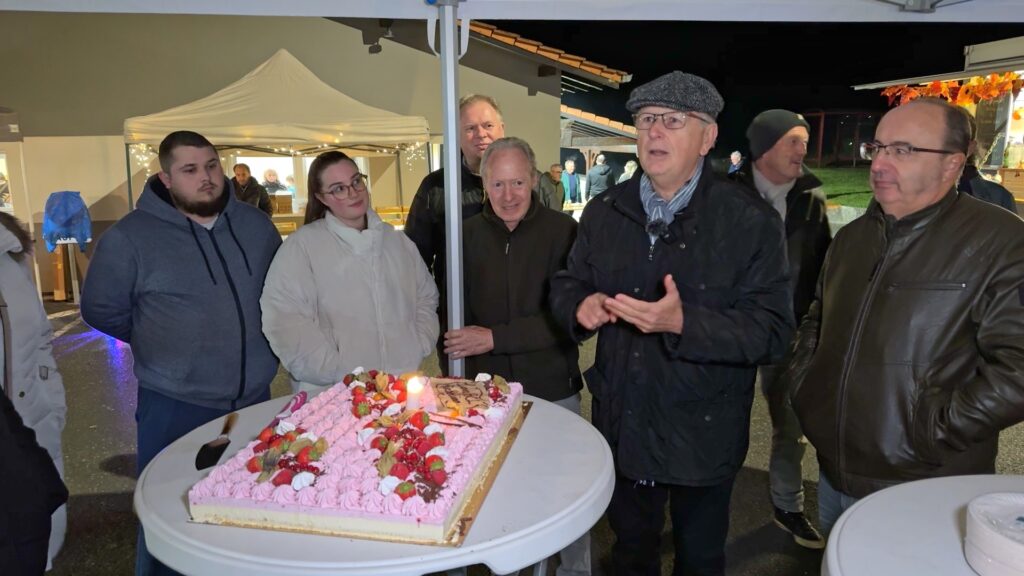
[462, 393]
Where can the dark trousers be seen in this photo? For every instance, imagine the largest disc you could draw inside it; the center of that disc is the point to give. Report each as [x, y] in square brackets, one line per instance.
[162, 420]
[700, 524]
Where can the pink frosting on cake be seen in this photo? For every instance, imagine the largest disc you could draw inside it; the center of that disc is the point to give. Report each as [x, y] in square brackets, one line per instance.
[349, 484]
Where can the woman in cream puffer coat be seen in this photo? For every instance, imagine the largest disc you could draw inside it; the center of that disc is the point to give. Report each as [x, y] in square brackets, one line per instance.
[346, 289]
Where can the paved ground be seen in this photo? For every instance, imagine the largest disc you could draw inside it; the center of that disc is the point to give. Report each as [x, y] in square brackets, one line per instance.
[99, 447]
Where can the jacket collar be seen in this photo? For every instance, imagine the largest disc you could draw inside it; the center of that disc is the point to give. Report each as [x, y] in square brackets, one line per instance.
[156, 200]
[626, 198]
[917, 220]
[531, 212]
[807, 181]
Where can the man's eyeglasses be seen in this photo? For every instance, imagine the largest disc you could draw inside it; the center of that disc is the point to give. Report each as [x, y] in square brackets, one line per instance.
[899, 150]
[670, 120]
[357, 185]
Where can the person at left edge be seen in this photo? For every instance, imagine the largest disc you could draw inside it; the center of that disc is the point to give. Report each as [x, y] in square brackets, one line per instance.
[179, 279]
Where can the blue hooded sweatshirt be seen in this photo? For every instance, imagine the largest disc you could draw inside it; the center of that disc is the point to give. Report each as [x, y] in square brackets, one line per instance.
[187, 299]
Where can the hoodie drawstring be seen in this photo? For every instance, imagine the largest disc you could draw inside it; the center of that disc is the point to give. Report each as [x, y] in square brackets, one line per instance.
[192, 227]
[231, 229]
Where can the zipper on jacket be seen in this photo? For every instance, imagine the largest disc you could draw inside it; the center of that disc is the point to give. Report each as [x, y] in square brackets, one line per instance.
[944, 286]
[851, 353]
[241, 318]
[508, 288]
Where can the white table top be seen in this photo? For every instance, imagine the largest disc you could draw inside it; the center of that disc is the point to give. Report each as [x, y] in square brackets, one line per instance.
[914, 528]
[554, 485]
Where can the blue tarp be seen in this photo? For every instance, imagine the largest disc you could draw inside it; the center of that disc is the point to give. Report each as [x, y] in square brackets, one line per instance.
[66, 218]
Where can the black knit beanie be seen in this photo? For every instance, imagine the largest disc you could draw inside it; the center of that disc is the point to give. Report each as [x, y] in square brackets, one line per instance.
[768, 127]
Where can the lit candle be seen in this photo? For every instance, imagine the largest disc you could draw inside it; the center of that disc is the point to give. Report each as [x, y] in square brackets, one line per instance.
[413, 389]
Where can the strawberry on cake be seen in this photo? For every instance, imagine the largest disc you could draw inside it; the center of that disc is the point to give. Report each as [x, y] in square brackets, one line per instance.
[358, 461]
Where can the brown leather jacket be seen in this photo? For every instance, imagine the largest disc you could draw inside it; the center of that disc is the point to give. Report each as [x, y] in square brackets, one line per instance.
[911, 358]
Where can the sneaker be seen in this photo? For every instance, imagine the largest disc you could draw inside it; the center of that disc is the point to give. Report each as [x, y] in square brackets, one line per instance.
[797, 524]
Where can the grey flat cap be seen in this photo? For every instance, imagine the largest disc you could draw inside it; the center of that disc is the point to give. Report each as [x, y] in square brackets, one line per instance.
[678, 90]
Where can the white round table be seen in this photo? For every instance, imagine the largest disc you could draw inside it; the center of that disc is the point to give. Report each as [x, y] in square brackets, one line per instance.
[553, 487]
[913, 528]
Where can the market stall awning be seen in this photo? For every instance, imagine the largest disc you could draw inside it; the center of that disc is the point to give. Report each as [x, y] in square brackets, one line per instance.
[979, 59]
[581, 129]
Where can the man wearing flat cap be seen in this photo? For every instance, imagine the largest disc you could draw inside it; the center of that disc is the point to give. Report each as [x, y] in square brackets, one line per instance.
[778, 145]
[683, 274]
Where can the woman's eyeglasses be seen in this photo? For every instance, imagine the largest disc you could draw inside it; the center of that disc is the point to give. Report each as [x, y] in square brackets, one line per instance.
[357, 185]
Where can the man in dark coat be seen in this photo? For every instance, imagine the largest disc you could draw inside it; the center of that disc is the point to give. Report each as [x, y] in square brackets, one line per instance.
[510, 253]
[778, 145]
[551, 189]
[599, 177]
[248, 190]
[684, 275]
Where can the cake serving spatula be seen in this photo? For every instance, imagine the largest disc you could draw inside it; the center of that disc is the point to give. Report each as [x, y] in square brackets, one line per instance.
[210, 453]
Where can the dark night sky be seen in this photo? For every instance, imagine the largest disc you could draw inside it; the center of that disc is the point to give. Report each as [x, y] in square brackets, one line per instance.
[800, 66]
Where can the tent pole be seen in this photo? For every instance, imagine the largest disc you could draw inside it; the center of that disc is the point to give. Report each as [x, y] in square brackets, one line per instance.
[398, 162]
[447, 10]
[128, 167]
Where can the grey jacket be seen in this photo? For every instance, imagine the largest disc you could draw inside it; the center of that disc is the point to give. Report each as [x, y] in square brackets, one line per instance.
[187, 298]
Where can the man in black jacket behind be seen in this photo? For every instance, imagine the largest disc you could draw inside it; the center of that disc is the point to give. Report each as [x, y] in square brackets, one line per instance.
[248, 190]
[599, 177]
[684, 275]
[778, 145]
[480, 123]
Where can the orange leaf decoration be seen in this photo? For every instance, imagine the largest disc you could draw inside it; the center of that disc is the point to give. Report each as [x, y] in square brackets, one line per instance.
[971, 91]
[1016, 114]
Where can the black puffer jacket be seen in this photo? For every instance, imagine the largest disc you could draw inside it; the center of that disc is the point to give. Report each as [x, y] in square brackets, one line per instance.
[33, 490]
[507, 283]
[676, 409]
[909, 361]
[425, 222]
[807, 233]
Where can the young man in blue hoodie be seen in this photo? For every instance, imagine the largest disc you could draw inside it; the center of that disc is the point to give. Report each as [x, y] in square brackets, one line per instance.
[180, 279]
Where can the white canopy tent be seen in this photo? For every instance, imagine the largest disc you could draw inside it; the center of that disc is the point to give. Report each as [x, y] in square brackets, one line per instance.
[447, 13]
[280, 103]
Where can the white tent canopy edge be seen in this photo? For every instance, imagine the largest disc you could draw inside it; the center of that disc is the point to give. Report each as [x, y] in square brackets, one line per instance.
[257, 110]
[710, 10]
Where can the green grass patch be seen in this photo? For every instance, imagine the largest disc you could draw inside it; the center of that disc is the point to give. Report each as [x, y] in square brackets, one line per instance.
[846, 186]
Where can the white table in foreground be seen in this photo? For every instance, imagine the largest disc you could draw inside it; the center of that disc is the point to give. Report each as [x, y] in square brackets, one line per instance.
[554, 485]
[914, 528]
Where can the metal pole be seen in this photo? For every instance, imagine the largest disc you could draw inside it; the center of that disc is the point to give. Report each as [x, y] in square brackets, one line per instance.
[452, 170]
[128, 167]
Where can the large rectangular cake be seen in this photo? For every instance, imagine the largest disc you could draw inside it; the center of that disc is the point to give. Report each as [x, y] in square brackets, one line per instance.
[371, 457]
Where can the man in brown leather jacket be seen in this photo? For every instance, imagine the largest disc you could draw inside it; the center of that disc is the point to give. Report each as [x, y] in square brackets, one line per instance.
[909, 361]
